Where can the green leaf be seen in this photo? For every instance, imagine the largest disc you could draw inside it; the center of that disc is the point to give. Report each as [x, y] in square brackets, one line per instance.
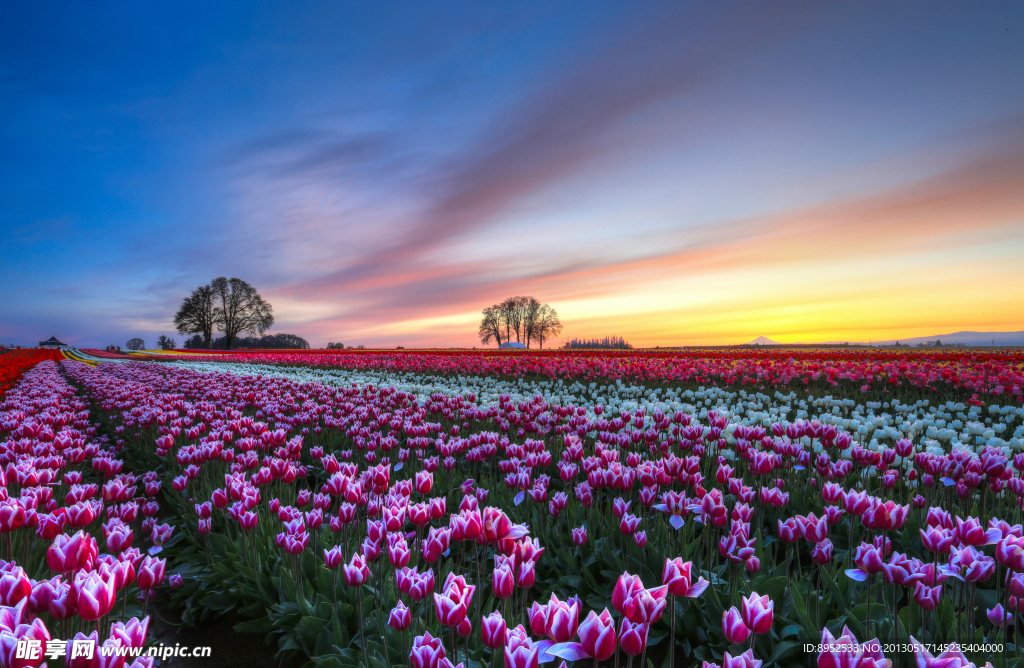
[784, 649]
[839, 599]
[261, 625]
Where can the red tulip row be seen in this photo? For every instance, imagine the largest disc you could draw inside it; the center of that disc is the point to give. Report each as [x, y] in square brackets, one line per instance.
[15, 362]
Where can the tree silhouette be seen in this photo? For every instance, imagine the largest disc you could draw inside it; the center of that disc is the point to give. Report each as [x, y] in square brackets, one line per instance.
[198, 314]
[523, 317]
[240, 309]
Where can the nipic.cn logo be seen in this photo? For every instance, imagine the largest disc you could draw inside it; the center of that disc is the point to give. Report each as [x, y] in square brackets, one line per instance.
[86, 648]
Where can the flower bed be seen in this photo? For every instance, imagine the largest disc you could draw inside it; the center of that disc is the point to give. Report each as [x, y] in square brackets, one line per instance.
[71, 583]
[15, 362]
[365, 525]
[954, 375]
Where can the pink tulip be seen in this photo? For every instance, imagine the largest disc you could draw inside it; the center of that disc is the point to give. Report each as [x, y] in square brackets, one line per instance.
[846, 652]
[14, 586]
[745, 660]
[927, 597]
[133, 633]
[400, 617]
[936, 540]
[633, 637]
[951, 658]
[677, 576]
[503, 582]
[624, 588]
[356, 571]
[646, 606]
[95, 595]
[151, 573]
[562, 618]
[333, 557]
[629, 524]
[538, 616]
[493, 630]
[758, 613]
[427, 652]
[822, 553]
[597, 635]
[733, 628]
[520, 651]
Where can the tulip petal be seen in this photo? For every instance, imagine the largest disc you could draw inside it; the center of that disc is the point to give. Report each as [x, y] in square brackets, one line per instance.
[519, 497]
[698, 588]
[570, 651]
[856, 574]
[517, 531]
[676, 521]
[544, 647]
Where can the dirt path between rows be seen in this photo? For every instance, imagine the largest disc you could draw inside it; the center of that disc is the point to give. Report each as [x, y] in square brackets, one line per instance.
[229, 649]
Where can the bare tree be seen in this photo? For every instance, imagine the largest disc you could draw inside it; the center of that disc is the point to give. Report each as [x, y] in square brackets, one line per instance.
[135, 344]
[198, 314]
[240, 309]
[546, 324]
[513, 314]
[531, 309]
[525, 317]
[491, 325]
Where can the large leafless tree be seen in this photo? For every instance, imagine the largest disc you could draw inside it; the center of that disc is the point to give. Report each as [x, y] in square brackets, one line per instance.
[491, 326]
[198, 314]
[240, 309]
[545, 325]
[524, 318]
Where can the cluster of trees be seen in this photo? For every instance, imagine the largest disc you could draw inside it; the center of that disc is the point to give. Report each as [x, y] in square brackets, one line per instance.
[267, 342]
[525, 318]
[166, 343]
[333, 346]
[135, 344]
[607, 343]
[230, 305]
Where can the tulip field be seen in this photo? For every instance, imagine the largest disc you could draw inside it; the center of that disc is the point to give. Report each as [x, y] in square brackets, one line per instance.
[431, 509]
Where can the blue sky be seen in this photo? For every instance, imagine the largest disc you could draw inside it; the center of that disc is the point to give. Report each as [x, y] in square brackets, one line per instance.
[674, 173]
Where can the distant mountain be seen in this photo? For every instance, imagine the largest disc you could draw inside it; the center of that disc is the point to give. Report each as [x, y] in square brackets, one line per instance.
[966, 338]
[763, 341]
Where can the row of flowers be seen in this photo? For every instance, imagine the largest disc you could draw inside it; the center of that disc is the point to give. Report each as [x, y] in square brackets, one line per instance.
[862, 370]
[73, 525]
[331, 515]
[15, 362]
[937, 425]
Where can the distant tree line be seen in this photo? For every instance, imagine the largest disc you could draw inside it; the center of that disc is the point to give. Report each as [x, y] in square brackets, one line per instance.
[525, 318]
[268, 342]
[166, 343]
[607, 343]
[230, 305]
[333, 346]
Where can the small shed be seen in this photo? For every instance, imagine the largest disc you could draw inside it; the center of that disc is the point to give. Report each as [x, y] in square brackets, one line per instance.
[512, 345]
[52, 342]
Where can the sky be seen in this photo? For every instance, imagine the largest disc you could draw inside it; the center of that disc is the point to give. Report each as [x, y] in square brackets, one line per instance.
[684, 173]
